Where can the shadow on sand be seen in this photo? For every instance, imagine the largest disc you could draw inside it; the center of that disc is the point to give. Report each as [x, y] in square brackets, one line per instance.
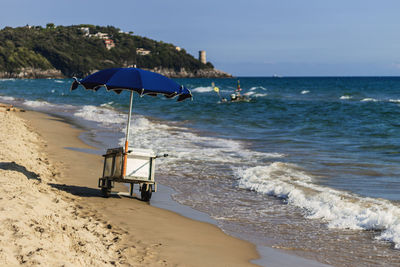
[81, 191]
[12, 166]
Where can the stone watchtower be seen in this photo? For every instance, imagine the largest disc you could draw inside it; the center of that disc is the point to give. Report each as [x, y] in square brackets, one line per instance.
[202, 56]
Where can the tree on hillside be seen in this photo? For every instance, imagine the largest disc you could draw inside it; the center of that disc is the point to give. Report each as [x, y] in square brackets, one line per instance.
[50, 26]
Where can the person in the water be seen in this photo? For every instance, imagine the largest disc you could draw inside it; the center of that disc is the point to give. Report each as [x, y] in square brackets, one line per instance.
[237, 96]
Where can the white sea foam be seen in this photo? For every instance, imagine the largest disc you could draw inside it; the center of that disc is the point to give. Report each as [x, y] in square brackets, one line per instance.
[260, 95]
[58, 81]
[254, 94]
[103, 115]
[203, 89]
[46, 106]
[345, 97]
[394, 100]
[305, 92]
[189, 151]
[184, 145]
[107, 105]
[369, 100]
[258, 88]
[7, 98]
[339, 209]
[37, 104]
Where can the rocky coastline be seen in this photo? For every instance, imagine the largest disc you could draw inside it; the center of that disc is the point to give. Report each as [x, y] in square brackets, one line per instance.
[200, 73]
[33, 73]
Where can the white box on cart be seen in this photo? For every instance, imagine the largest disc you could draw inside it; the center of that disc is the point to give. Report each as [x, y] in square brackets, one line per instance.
[141, 164]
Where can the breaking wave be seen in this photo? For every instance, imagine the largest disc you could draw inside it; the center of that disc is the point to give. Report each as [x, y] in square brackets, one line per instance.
[37, 104]
[7, 98]
[202, 89]
[105, 116]
[177, 141]
[369, 100]
[337, 208]
[254, 94]
[182, 144]
[258, 87]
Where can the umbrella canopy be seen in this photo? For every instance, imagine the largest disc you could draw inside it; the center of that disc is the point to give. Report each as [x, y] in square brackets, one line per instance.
[141, 81]
[134, 80]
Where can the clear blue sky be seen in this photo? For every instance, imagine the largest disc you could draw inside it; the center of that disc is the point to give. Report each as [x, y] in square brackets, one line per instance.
[249, 37]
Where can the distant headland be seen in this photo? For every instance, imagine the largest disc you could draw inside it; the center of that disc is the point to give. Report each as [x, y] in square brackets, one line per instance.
[78, 50]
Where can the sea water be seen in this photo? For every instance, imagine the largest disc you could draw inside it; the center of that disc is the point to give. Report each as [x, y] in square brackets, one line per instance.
[310, 165]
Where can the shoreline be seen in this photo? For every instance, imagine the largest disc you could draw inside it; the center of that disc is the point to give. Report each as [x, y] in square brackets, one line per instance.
[76, 144]
[265, 256]
[164, 232]
[268, 256]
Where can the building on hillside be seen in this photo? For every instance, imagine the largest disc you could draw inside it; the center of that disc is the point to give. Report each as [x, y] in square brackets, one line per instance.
[85, 31]
[109, 43]
[202, 56]
[102, 35]
[178, 48]
[142, 51]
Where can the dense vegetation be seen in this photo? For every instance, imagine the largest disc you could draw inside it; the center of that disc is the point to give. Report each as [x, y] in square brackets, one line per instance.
[74, 53]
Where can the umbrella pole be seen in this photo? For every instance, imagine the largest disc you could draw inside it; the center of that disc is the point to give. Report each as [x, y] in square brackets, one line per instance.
[127, 134]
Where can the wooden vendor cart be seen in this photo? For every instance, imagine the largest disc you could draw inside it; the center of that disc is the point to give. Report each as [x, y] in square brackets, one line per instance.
[140, 166]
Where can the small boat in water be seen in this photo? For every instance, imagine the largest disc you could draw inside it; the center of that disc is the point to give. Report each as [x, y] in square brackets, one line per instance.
[234, 97]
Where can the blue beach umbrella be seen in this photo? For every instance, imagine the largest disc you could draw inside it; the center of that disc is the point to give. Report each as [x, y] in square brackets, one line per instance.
[134, 80]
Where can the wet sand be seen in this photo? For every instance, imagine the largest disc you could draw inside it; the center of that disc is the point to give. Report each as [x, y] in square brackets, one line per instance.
[118, 230]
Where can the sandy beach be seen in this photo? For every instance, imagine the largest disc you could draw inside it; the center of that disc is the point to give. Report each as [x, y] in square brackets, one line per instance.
[53, 214]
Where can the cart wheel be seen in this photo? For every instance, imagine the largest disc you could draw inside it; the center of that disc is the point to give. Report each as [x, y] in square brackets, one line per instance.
[106, 191]
[146, 194]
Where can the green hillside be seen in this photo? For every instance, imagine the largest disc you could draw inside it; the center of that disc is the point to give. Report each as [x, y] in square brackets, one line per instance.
[80, 49]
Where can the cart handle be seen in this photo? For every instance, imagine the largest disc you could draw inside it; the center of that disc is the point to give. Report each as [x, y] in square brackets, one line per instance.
[158, 156]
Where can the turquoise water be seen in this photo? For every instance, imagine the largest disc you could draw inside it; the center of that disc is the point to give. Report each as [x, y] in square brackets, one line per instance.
[308, 159]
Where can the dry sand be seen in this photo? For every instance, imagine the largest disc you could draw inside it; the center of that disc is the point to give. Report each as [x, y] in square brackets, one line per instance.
[40, 224]
[51, 211]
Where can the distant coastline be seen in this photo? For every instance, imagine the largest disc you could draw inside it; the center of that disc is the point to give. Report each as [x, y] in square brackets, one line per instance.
[78, 50]
[32, 73]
